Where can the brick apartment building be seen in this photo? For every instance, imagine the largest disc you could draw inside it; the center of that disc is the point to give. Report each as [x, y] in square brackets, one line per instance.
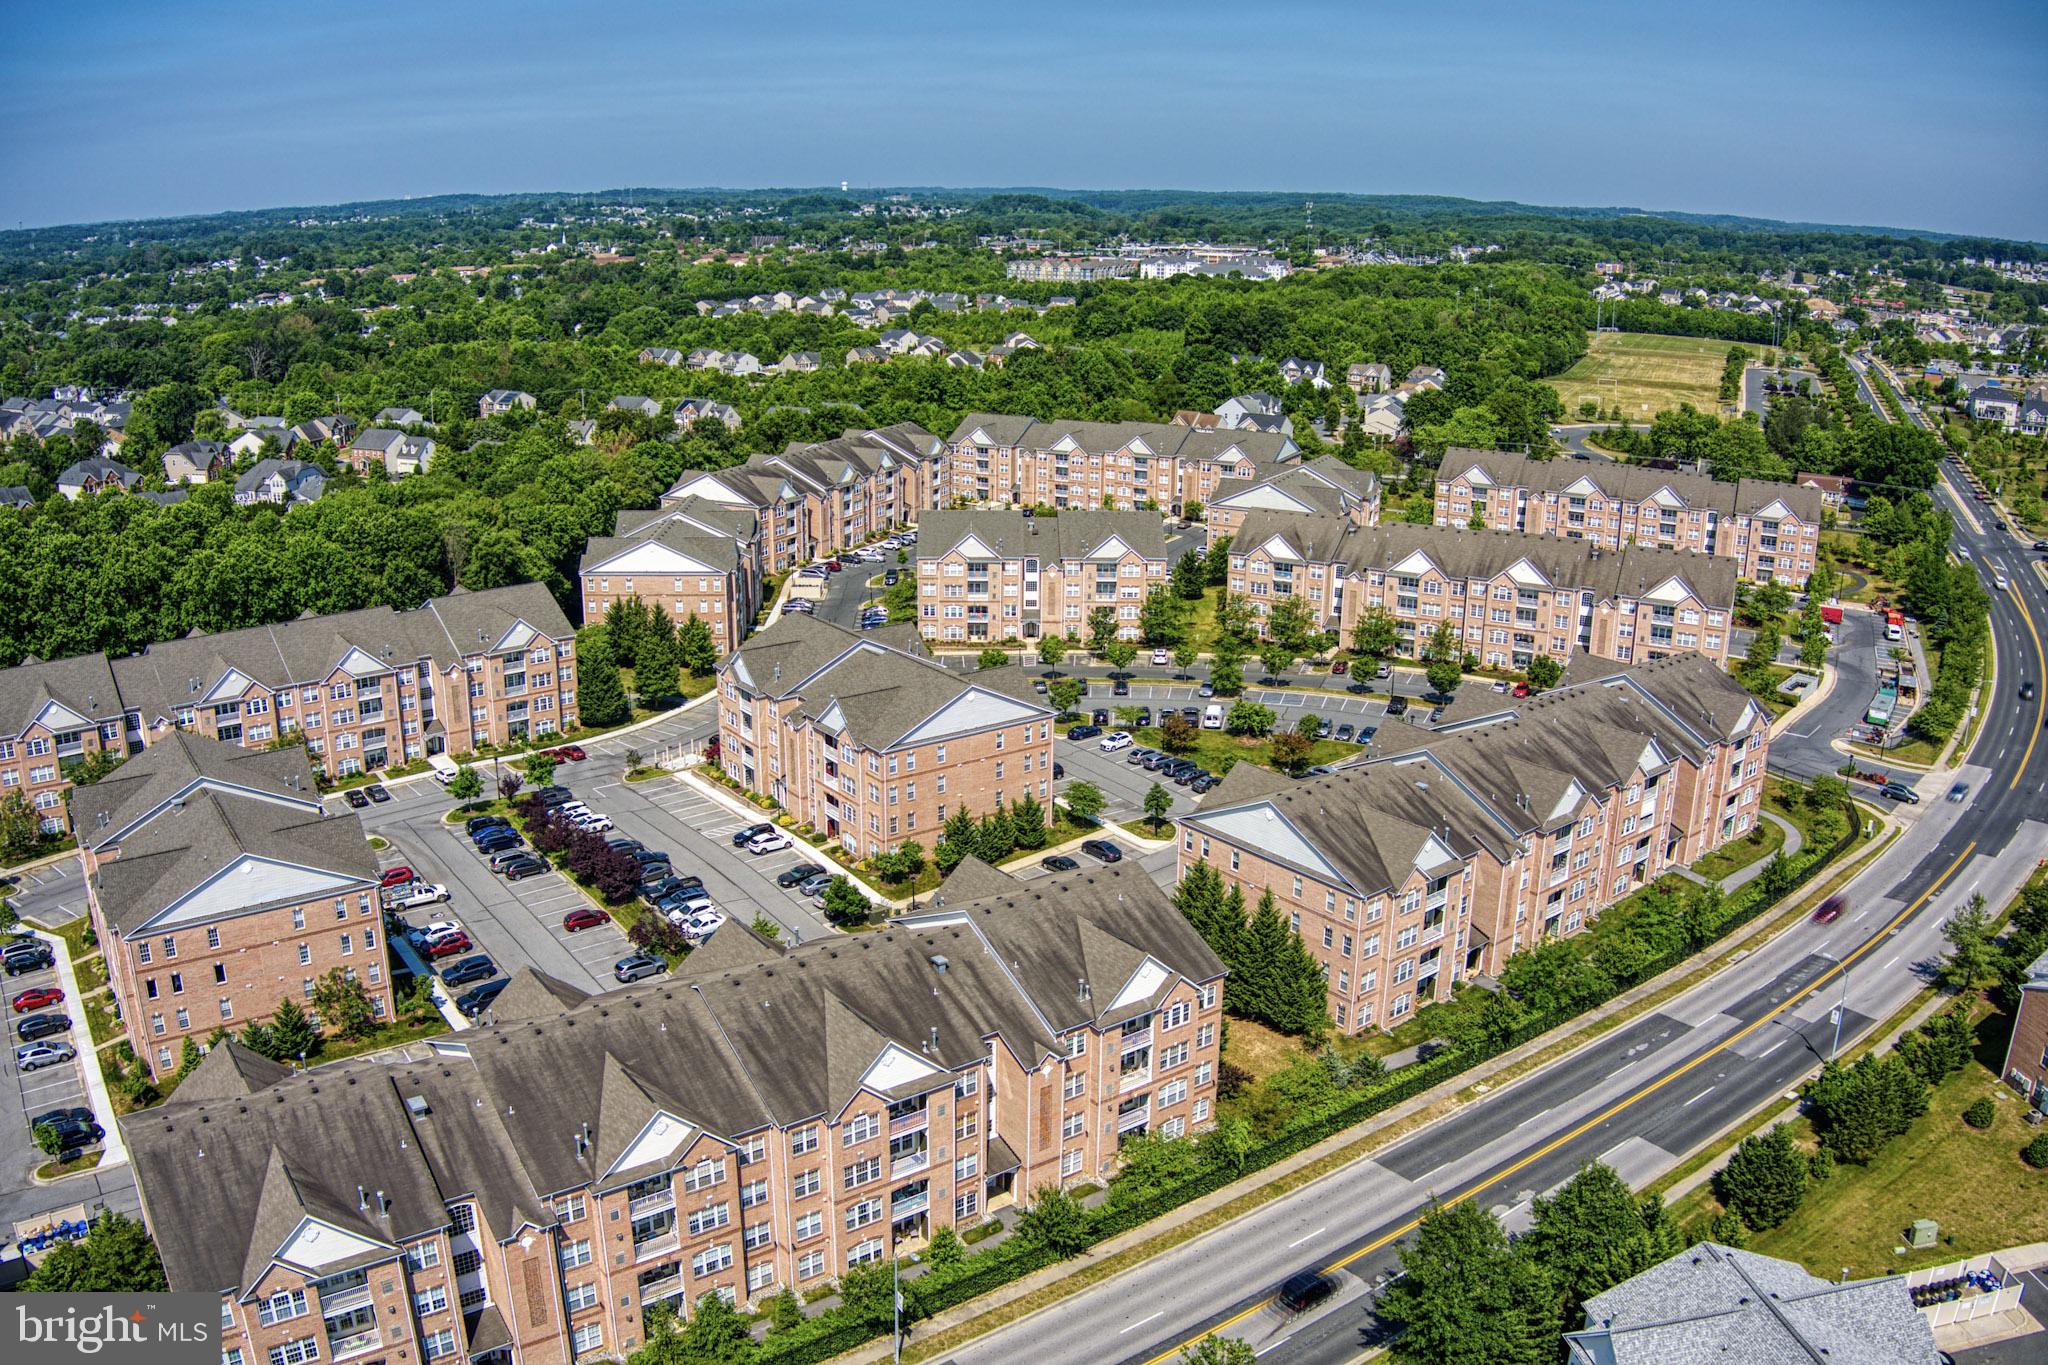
[984, 576]
[1448, 850]
[2026, 1057]
[367, 689]
[766, 1117]
[1512, 598]
[1771, 530]
[866, 740]
[220, 885]
[1324, 485]
[670, 563]
[1021, 461]
[816, 499]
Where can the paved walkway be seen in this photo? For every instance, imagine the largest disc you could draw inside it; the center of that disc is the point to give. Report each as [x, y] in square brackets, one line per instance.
[1742, 876]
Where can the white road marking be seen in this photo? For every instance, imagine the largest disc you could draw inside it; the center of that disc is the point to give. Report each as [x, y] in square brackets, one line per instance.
[1141, 1322]
[1889, 961]
[1697, 1098]
[1769, 1050]
[1299, 1240]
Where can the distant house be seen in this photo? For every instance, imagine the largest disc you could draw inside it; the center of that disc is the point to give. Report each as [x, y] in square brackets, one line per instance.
[1295, 370]
[741, 363]
[2034, 417]
[283, 482]
[16, 496]
[333, 429]
[2002, 406]
[164, 497]
[1234, 411]
[965, 360]
[499, 401]
[583, 432]
[398, 453]
[1203, 421]
[1381, 416]
[96, 475]
[1369, 376]
[1428, 377]
[661, 355]
[251, 442]
[1833, 488]
[704, 358]
[636, 404]
[866, 355]
[199, 461]
[796, 362]
[690, 411]
[400, 417]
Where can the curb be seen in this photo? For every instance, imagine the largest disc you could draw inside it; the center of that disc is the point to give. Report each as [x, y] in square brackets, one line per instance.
[113, 1152]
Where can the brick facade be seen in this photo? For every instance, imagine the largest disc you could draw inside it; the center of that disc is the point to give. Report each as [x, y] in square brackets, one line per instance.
[1009, 461]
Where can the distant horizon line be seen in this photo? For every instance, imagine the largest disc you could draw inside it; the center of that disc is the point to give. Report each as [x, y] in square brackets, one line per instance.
[1738, 221]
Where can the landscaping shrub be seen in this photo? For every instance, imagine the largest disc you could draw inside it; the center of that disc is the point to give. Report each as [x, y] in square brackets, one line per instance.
[1981, 1112]
[1765, 1180]
[2035, 1153]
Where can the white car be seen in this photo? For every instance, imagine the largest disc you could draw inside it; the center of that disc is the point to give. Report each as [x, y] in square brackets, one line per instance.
[2000, 579]
[703, 924]
[1963, 552]
[1114, 740]
[590, 822]
[1160, 657]
[416, 893]
[38, 1055]
[774, 841]
[433, 929]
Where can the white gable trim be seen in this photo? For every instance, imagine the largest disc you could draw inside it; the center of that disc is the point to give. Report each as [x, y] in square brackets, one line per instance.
[895, 1066]
[246, 882]
[661, 1138]
[57, 716]
[1146, 982]
[976, 708]
[651, 557]
[1263, 826]
[316, 1243]
[1417, 562]
[1277, 548]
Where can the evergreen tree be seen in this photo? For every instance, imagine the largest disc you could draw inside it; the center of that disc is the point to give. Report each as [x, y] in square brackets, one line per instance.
[716, 1335]
[625, 626]
[115, 1257]
[1027, 822]
[694, 649]
[1200, 898]
[1590, 1236]
[958, 837]
[1664, 1237]
[997, 837]
[1189, 576]
[1857, 1109]
[659, 676]
[600, 693]
[344, 1004]
[288, 1036]
[1764, 1180]
[1274, 975]
[1466, 1297]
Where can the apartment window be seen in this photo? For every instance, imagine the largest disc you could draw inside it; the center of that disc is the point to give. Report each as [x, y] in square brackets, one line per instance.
[862, 1172]
[810, 1265]
[295, 1352]
[580, 1297]
[711, 1217]
[227, 1008]
[704, 1174]
[1205, 1036]
[589, 1337]
[804, 1184]
[711, 1260]
[1077, 1044]
[1074, 1086]
[433, 1300]
[808, 1226]
[860, 1128]
[804, 1140]
[425, 1256]
[1175, 1015]
[1072, 1125]
[1070, 1163]
[965, 1205]
[1205, 996]
[752, 1193]
[305, 955]
[281, 1307]
[865, 1212]
[574, 1254]
[870, 1250]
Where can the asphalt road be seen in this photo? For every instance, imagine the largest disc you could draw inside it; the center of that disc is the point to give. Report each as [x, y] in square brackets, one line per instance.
[1754, 397]
[1638, 1098]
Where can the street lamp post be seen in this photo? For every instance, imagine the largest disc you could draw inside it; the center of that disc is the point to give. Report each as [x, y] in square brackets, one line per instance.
[896, 1316]
[1841, 1006]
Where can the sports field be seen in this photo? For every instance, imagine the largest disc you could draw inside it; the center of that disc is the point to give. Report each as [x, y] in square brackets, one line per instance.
[1646, 374]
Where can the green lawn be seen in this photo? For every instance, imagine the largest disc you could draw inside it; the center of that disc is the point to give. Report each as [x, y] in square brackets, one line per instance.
[1216, 750]
[1645, 373]
[1973, 1184]
[1737, 854]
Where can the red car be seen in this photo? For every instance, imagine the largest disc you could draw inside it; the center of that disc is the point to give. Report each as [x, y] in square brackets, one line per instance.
[585, 918]
[35, 997]
[396, 876]
[1521, 689]
[449, 946]
[833, 565]
[1830, 909]
[1340, 668]
[568, 753]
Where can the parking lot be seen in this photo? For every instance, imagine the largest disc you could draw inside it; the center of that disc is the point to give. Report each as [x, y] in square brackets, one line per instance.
[59, 1086]
[51, 895]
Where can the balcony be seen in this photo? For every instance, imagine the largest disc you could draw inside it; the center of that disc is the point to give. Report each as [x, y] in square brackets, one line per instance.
[910, 1122]
[354, 1344]
[656, 1246]
[910, 1163]
[664, 1283]
[651, 1203]
[900, 1209]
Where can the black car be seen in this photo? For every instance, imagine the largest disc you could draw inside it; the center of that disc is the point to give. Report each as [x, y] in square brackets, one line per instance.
[1345, 732]
[650, 857]
[482, 822]
[477, 999]
[33, 960]
[356, 798]
[624, 843]
[2026, 689]
[551, 797]
[1184, 776]
[798, 875]
[523, 866]
[2041, 544]
[464, 970]
[42, 1026]
[1144, 715]
[1058, 862]
[1305, 1290]
[375, 791]
[889, 578]
[1103, 849]
[1059, 770]
[1084, 731]
[498, 841]
[634, 966]
[739, 839]
[1101, 716]
[1203, 782]
[1191, 714]
[74, 1134]
[77, 1115]
[1120, 688]
[1397, 706]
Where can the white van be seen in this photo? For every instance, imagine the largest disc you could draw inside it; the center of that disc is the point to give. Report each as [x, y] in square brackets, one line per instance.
[1894, 632]
[443, 768]
[1212, 719]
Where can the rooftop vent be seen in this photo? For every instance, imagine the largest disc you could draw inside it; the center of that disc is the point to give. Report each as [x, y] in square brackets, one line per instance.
[417, 1106]
[939, 963]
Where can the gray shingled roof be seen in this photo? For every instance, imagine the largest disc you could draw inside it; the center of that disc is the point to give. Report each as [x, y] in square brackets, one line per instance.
[1632, 482]
[83, 685]
[1071, 535]
[1162, 438]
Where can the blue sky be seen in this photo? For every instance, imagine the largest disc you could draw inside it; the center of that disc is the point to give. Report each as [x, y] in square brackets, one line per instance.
[1879, 113]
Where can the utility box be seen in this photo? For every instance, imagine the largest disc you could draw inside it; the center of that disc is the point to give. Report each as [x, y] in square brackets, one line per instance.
[1924, 1233]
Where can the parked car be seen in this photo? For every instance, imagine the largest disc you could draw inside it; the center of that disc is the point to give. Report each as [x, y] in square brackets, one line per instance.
[774, 841]
[1202, 782]
[523, 866]
[635, 966]
[1103, 849]
[702, 924]
[743, 837]
[550, 797]
[37, 997]
[474, 968]
[42, 1026]
[1323, 727]
[1084, 731]
[395, 876]
[799, 874]
[1304, 1291]
[1397, 706]
[1137, 755]
[1144, 715]
[354, 796]
[36, 1056]
[478, 823]
[28, 958]
[1121, 687]
[1205, 690]
[417, 893]
[584, 917]
[814, 886]
[1899, 791]
[1345, 732]
[1058, 862]
[76, 1114]
[74, 1133]
[1114, 740]
[1339, 668]
[590, 822]
[431, 930]
[448, 947]
[1521, 689]
[651, 857]
[569, 753]
[1101, 717]
[375, 791]
[624, 843]
[503, 858]
[1384, 671]
[495, 840]
[1161, 657]
[1059, 770]
[477, 999]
